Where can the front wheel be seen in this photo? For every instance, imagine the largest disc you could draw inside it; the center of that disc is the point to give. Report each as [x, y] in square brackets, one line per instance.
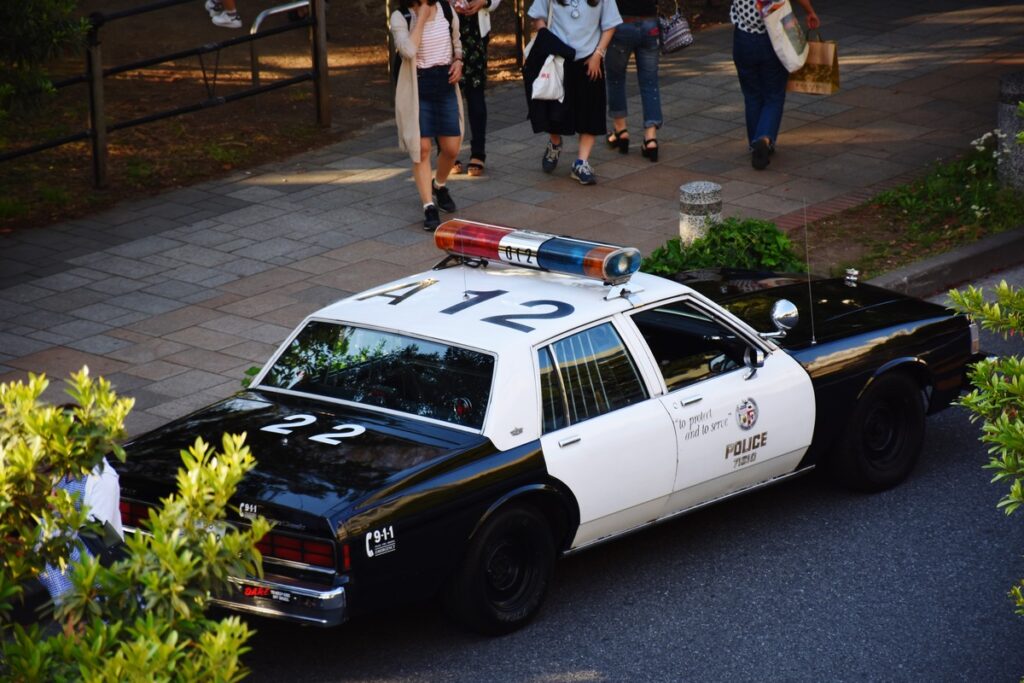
[503, 579]
[883, 438]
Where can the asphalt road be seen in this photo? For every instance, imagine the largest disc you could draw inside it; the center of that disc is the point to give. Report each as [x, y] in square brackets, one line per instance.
[798, 582]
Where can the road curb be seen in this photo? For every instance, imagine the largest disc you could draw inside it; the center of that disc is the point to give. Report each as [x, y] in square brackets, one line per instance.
[945, 271]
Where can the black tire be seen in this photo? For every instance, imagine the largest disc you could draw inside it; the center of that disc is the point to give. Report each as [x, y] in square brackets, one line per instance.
[505, 574]
[882, 441]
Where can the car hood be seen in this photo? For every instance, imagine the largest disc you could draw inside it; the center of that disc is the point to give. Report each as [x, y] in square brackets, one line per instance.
[840, 309]
[294, 469]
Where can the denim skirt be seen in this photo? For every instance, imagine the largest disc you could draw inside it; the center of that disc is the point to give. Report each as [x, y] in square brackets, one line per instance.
[439, 108]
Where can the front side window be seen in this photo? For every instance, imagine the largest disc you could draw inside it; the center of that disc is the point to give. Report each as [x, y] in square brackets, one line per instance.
[688, 345]
[385, 369]
[586, 375]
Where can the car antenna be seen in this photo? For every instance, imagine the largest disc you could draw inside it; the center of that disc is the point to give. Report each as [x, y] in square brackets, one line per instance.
[807, 264]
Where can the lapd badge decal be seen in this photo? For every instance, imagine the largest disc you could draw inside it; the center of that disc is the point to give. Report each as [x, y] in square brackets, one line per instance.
[746, 414]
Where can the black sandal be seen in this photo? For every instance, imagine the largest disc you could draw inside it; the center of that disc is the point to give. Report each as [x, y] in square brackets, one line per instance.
[616, 140]
[649, 150]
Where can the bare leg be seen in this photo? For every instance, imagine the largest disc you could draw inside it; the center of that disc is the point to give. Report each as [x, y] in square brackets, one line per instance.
[421, 172]
[449, 149]
[586, 144]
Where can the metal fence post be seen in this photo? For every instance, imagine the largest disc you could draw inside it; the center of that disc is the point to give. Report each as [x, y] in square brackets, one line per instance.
[318, 37]
[520, 31]
[97, 121]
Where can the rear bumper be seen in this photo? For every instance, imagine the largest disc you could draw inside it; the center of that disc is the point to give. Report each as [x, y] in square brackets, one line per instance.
[283, 598]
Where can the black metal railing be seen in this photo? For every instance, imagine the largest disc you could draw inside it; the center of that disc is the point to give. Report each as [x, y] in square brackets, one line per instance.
[95, 74]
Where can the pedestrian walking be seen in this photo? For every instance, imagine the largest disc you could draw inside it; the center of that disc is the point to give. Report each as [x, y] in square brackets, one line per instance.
[475, 31]
[762, 76]
[636, 36]
[427, 104]
[585, 26]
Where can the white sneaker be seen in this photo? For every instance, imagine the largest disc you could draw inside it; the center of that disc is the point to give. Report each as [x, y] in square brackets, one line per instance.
[214, 7]
[227, 20]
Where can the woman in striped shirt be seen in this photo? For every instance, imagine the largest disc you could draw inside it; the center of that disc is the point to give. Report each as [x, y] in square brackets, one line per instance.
[427, 105]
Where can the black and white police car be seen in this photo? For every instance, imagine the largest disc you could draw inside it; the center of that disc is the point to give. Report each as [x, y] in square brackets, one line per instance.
[457, 430]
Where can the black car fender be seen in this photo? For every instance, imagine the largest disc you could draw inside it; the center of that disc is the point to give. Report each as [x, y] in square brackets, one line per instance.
[913, 366]
[555, 501]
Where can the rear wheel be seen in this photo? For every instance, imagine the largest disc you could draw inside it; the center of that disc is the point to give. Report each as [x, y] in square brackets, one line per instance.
[503, 579]
[883, 439]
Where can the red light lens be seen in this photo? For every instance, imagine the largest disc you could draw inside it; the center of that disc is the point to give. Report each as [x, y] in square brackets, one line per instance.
[133, 514]
[294, 549]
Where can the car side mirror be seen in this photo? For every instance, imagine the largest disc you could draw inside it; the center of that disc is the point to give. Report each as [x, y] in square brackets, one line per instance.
[785, 317]
[753, 358]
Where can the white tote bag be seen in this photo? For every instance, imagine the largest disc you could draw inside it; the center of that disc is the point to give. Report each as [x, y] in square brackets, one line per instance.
[550, 82]
[786, 34]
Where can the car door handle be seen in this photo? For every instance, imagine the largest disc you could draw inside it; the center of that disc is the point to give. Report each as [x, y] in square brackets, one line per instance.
[690, 400]
[569, 440]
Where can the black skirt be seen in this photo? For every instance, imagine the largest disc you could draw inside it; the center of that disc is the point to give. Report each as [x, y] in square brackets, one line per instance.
[585, 99]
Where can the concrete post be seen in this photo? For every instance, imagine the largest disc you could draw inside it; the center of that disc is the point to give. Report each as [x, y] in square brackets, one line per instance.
[700, 205]
[1011, 158]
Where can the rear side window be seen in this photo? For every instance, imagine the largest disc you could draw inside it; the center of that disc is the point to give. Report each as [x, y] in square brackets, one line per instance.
[586, 375]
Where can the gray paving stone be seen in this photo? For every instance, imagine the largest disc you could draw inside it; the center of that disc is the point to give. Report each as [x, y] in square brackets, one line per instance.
[145, 303]
[144, 247]
[16, 345]
[62, 282]
[250, 214]
[186, 383]
[100, 344]
[69, 301]
[256, 194]
[198, 255]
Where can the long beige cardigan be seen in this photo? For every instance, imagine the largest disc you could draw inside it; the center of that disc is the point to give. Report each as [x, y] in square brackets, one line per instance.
[407, 96]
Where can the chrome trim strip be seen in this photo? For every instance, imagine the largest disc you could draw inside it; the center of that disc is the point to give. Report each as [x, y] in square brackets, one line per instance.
[694, 508]
[268, 611]
[329, 571]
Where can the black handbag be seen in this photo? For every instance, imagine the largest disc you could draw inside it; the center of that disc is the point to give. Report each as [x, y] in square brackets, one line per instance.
[675, 33]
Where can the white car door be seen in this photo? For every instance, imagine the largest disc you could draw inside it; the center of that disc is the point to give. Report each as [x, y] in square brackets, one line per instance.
[603, 435]
[737, 426]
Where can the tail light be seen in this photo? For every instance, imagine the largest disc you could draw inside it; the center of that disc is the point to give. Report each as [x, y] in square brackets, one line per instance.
[133, 513]
[294, 549]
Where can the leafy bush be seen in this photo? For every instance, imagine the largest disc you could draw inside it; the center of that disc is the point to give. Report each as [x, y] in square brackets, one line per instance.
[733, 243]
[143, 618]
[998, 396]
[32, 32]
[959, 195]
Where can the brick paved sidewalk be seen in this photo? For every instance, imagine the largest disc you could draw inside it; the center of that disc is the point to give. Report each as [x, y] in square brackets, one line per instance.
[173, 297]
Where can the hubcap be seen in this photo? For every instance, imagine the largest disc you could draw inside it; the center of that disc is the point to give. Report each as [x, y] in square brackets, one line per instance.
[881, 435]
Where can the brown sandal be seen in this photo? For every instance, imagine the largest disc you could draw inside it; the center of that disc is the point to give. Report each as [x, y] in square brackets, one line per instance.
[475, 168]
[457, 168]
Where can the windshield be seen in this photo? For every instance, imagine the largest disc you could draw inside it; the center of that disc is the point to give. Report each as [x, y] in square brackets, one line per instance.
[388, 370]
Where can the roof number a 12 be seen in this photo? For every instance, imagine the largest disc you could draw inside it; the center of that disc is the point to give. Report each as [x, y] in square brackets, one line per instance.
[332, 438]
[561, 309]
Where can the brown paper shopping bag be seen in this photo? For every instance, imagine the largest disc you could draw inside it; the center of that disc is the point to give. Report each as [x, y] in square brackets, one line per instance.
[820, 73]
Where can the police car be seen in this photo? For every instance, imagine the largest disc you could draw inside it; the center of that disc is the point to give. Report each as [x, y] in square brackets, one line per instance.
[455, 431]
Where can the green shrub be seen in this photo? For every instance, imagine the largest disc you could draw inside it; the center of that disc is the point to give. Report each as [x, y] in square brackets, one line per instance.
[733, 243]
[998, 396]
[143, 618]
[959, 194]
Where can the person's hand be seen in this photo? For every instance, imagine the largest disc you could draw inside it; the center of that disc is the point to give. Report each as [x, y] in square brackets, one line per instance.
[455, 72]
[594, 63]
[428, 12]
[470, 8]
[813, 22]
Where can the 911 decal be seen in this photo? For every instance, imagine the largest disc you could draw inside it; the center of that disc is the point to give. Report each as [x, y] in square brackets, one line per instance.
[332, 438]
[380, 541]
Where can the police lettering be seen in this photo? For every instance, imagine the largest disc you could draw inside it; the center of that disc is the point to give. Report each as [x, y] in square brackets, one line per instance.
[746, 445]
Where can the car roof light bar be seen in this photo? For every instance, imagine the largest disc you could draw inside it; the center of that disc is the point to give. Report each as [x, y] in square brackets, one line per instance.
[608, 263]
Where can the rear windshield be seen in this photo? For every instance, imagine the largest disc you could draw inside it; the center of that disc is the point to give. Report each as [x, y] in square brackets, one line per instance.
[389, 370]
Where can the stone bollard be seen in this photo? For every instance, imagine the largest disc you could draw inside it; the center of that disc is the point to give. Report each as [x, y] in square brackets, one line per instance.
[1011, 158]
[700, 205]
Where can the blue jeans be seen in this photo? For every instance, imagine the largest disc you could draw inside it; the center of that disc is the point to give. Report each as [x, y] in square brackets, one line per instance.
[763, 82]
[639, 38]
